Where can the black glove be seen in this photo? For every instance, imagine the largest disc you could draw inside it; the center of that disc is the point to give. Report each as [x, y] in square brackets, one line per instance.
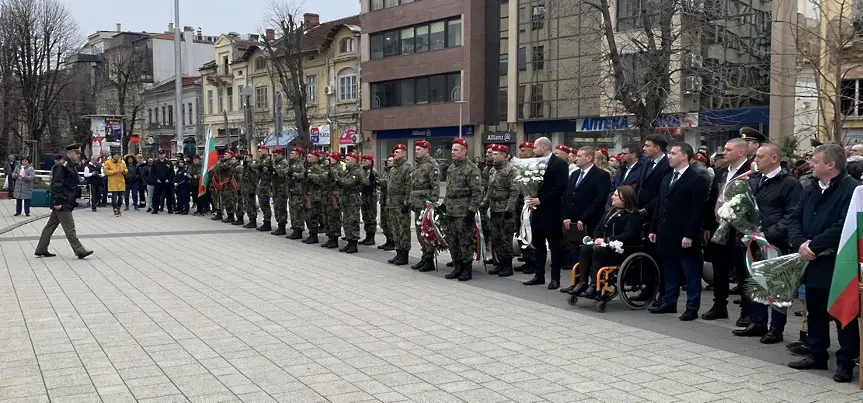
[507, 214]
[442, 208]
[405, 209]
[469, 217]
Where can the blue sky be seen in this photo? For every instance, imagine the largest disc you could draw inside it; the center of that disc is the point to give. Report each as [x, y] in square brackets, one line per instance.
[213, 16]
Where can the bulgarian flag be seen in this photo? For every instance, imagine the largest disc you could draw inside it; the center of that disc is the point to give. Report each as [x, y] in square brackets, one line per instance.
[210, 159]
[844, 301]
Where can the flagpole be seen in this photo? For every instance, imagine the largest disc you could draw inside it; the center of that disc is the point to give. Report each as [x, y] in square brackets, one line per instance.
[860, 324]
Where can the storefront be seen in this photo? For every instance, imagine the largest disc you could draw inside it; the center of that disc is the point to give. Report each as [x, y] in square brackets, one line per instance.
[717, 126]
[440, 138]
[505, 138]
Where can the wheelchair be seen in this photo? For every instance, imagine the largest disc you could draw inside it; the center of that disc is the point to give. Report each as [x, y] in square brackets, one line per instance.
[636, 280]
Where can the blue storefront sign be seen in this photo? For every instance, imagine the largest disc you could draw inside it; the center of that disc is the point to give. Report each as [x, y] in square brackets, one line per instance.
[601, 124]
[447, 131]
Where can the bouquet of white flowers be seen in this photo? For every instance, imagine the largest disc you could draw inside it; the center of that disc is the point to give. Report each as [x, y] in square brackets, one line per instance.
[528, 177]
[738, 209]
[615, 246]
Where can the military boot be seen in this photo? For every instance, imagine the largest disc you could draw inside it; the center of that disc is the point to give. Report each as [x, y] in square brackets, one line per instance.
[296, 234]
[229, 218]
[217, 217]
[495, 270]
[265, 227]
[429, 266]
[333, 242]
[328, 242]
[253, 222]
[239, 220]
[467, 272]
[345, 248]
[456, 271]
[505, 268]
[418, 265]
[370, 239]
[450, 264]
[280, 230]
[388, 245]
[401, 258]
[396, 257]
[312, 239]
[352, 247]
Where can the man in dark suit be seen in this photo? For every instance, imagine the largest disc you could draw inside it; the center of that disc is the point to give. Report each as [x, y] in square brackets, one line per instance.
[584, 200]
[815, 229]
[545, 222]
[676, 231]
[729, 257]
[651, 176]
[630, 169]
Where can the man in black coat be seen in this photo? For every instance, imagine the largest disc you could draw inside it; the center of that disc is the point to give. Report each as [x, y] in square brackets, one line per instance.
[630, 169]
[815, 229]
[676, 231]
[652, 175]
[163, 171]
[545, 222]
[64, 185]
[584, 200]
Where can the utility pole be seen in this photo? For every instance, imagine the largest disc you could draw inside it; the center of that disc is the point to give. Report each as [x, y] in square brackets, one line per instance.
[178, 79]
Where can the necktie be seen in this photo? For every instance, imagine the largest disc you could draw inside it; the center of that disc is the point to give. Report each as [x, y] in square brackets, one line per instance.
[652, 165]
[761, 183]
[580, 177]
[674, 178]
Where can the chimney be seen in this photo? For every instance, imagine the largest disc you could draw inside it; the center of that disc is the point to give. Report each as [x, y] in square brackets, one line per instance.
[311, 20]
[271, 35]
[119, 27]
[170, 27]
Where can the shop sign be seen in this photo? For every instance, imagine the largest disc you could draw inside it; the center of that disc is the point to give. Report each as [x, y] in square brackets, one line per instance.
[348, 136]
[598, 124]
[498, 137]
[448, 131]
[320, 135]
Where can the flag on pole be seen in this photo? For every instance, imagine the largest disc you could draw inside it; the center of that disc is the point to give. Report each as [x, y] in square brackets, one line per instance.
[210, 159]
[844, 301]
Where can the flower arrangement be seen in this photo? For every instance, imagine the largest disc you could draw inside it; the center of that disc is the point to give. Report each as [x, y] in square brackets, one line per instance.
[615, 246]
[528, 177]
[430, 228]
[737, 210]
[479, 247]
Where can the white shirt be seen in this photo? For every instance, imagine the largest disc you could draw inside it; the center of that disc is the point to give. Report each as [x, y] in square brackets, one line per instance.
[823, 186]
[656, 161]
[626, 173]
[679, 172]
[774, 172]
[732, 171]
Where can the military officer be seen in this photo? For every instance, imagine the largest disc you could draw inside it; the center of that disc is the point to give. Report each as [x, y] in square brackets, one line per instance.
[525, 150]
[369, 206]
[249, 185]
[351, 183]
[217, 183]
[331, 201]
[424, 188]
[385, 216]
[501, 199]
[398, 204]
[240, 209]
[297, 189]
[281, 171]
[315, 179]
[230, 189]
[264, 166]
[462, 200]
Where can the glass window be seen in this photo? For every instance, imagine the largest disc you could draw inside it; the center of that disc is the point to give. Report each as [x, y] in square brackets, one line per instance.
[209, 104]
[230, 91]
[261, 99]
[221, 102]
[391, 43]
[377, 45]
[453, 80]
[312, 89]
[522, 58]
[422, 38]
[407, 41]
[390, 3]
[504, 64]
[437, 36]
[502, 105]
[377, 95]
[348, 87]
[538, 57]
[406, 92]
[391, 93]
[170, 115]
[437, 89]
[377, 4]
[453, 33]
[422, 90]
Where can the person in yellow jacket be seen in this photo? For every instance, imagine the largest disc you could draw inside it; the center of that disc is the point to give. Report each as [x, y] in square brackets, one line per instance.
[115, 169]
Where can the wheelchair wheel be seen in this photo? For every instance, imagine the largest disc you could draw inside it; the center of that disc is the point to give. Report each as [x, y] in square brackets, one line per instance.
[638, 281]
[572, 300]
[600, 306]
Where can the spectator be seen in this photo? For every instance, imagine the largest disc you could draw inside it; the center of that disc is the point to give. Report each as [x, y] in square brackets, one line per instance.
[115, 170]
[133, 179]
[93, 175]
[23, 191]
[142, 186]
[163, 173]
[181, 188]
[10, 167]
[150, 180]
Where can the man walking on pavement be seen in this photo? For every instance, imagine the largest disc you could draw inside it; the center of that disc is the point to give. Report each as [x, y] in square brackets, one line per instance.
[64, 184]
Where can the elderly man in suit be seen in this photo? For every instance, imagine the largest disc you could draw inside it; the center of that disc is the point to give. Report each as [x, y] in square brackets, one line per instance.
[545, 222]
[676, 231]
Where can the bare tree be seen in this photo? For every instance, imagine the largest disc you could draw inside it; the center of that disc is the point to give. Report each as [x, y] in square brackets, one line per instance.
[123, 70]
[76, 101]
[285, 53]
[40, 35]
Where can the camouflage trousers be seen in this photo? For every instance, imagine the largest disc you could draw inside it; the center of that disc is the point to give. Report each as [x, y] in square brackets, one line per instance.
[315, 216]
[264, 194]
[401, 227]
[332, 216]
[385, 222]
[217, 200]
[500, 233]
[370, 216]
[428, 250]
[250, 203]
[297, 209]
[229, 199]
[351, 221]
[460, 238]
[280, 205]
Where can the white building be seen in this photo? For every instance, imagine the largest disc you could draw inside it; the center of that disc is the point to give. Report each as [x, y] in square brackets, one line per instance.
[160, 117]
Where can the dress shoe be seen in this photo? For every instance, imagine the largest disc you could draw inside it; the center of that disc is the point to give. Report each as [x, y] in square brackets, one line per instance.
[743, 321]
[578, 288]
[664, 309]
[800, 350]
[689, 315]
[566, 290]
[553, 285]
[535, 281]
[717, 312]
[808, 363]
[843, 374]
[753, 330]
[85, 254]
[773, 336]
[589, 293]
[44, 254]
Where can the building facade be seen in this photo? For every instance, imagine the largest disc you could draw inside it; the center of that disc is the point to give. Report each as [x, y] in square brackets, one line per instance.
[160, 117]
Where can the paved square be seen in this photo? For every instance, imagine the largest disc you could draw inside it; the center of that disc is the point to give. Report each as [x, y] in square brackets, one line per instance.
[180, 308]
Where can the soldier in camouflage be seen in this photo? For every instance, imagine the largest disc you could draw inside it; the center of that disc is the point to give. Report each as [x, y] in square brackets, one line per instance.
[331, 201]
[281, 171]
[424, 188]
[462, 200]
[369, 206]
[264, 166]
[194, 181]
[351, 183]
[385, 216]
[501, 199]
[240, 209]
[297, 199]
[315, 179]
[488, 167]
[216, 183]
[249, 185]
[230, 189]
[398, 204]
[525, 150]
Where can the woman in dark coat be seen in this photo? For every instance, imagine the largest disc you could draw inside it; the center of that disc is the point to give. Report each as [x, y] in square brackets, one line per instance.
[133, 181]
[621, 223]
[181, 188]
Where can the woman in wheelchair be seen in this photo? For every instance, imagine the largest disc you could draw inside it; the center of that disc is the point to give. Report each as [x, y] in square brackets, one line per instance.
[621, 223]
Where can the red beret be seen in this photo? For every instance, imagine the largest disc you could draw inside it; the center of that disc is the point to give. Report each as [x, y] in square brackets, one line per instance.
[424, 144]
[400, 147]
[262, 147]
[299, 150]
[354, 156]
[460, 141]
[562, 148]
[525, 144]
[490, 147]
[500, 147]
[617, 157]
[368, 157]
[277, 150]
[335, 155]
[573, 150]
[603, 152]
[251, 154]
[701, 157]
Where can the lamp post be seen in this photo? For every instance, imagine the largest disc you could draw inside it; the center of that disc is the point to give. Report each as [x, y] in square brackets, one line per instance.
[456, 97]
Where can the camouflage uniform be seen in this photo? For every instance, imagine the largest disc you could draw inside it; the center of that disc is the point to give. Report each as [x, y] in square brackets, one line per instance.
[281, 171]
[315, 179]
[351, 182]
[501, 199]
[331, 201]
[248, 185]
[385, 214]
[462, 200]
[424, 187]
[398, 204]
[229, 188]
[216, 190]
[297, 198]
[240, 209]
[264, 165]
[486, 173]
[370, 205]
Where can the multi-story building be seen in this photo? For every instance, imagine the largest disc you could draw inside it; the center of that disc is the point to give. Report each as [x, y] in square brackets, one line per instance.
[158, 112]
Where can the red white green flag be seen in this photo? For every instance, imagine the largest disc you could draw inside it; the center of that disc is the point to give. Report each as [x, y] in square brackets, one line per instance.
[844, 301]
[210, 159]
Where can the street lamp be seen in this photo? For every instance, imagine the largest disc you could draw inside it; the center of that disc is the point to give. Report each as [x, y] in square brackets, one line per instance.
[456, 97]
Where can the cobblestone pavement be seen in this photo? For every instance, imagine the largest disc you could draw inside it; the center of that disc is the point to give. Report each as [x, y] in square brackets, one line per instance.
[173, 308]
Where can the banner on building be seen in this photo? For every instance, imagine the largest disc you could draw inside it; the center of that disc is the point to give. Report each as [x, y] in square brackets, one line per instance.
[348, 135]
[107, 134]
[320, 135]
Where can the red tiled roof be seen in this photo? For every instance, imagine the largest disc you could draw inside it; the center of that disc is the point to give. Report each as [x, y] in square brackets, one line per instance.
[320, 35]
